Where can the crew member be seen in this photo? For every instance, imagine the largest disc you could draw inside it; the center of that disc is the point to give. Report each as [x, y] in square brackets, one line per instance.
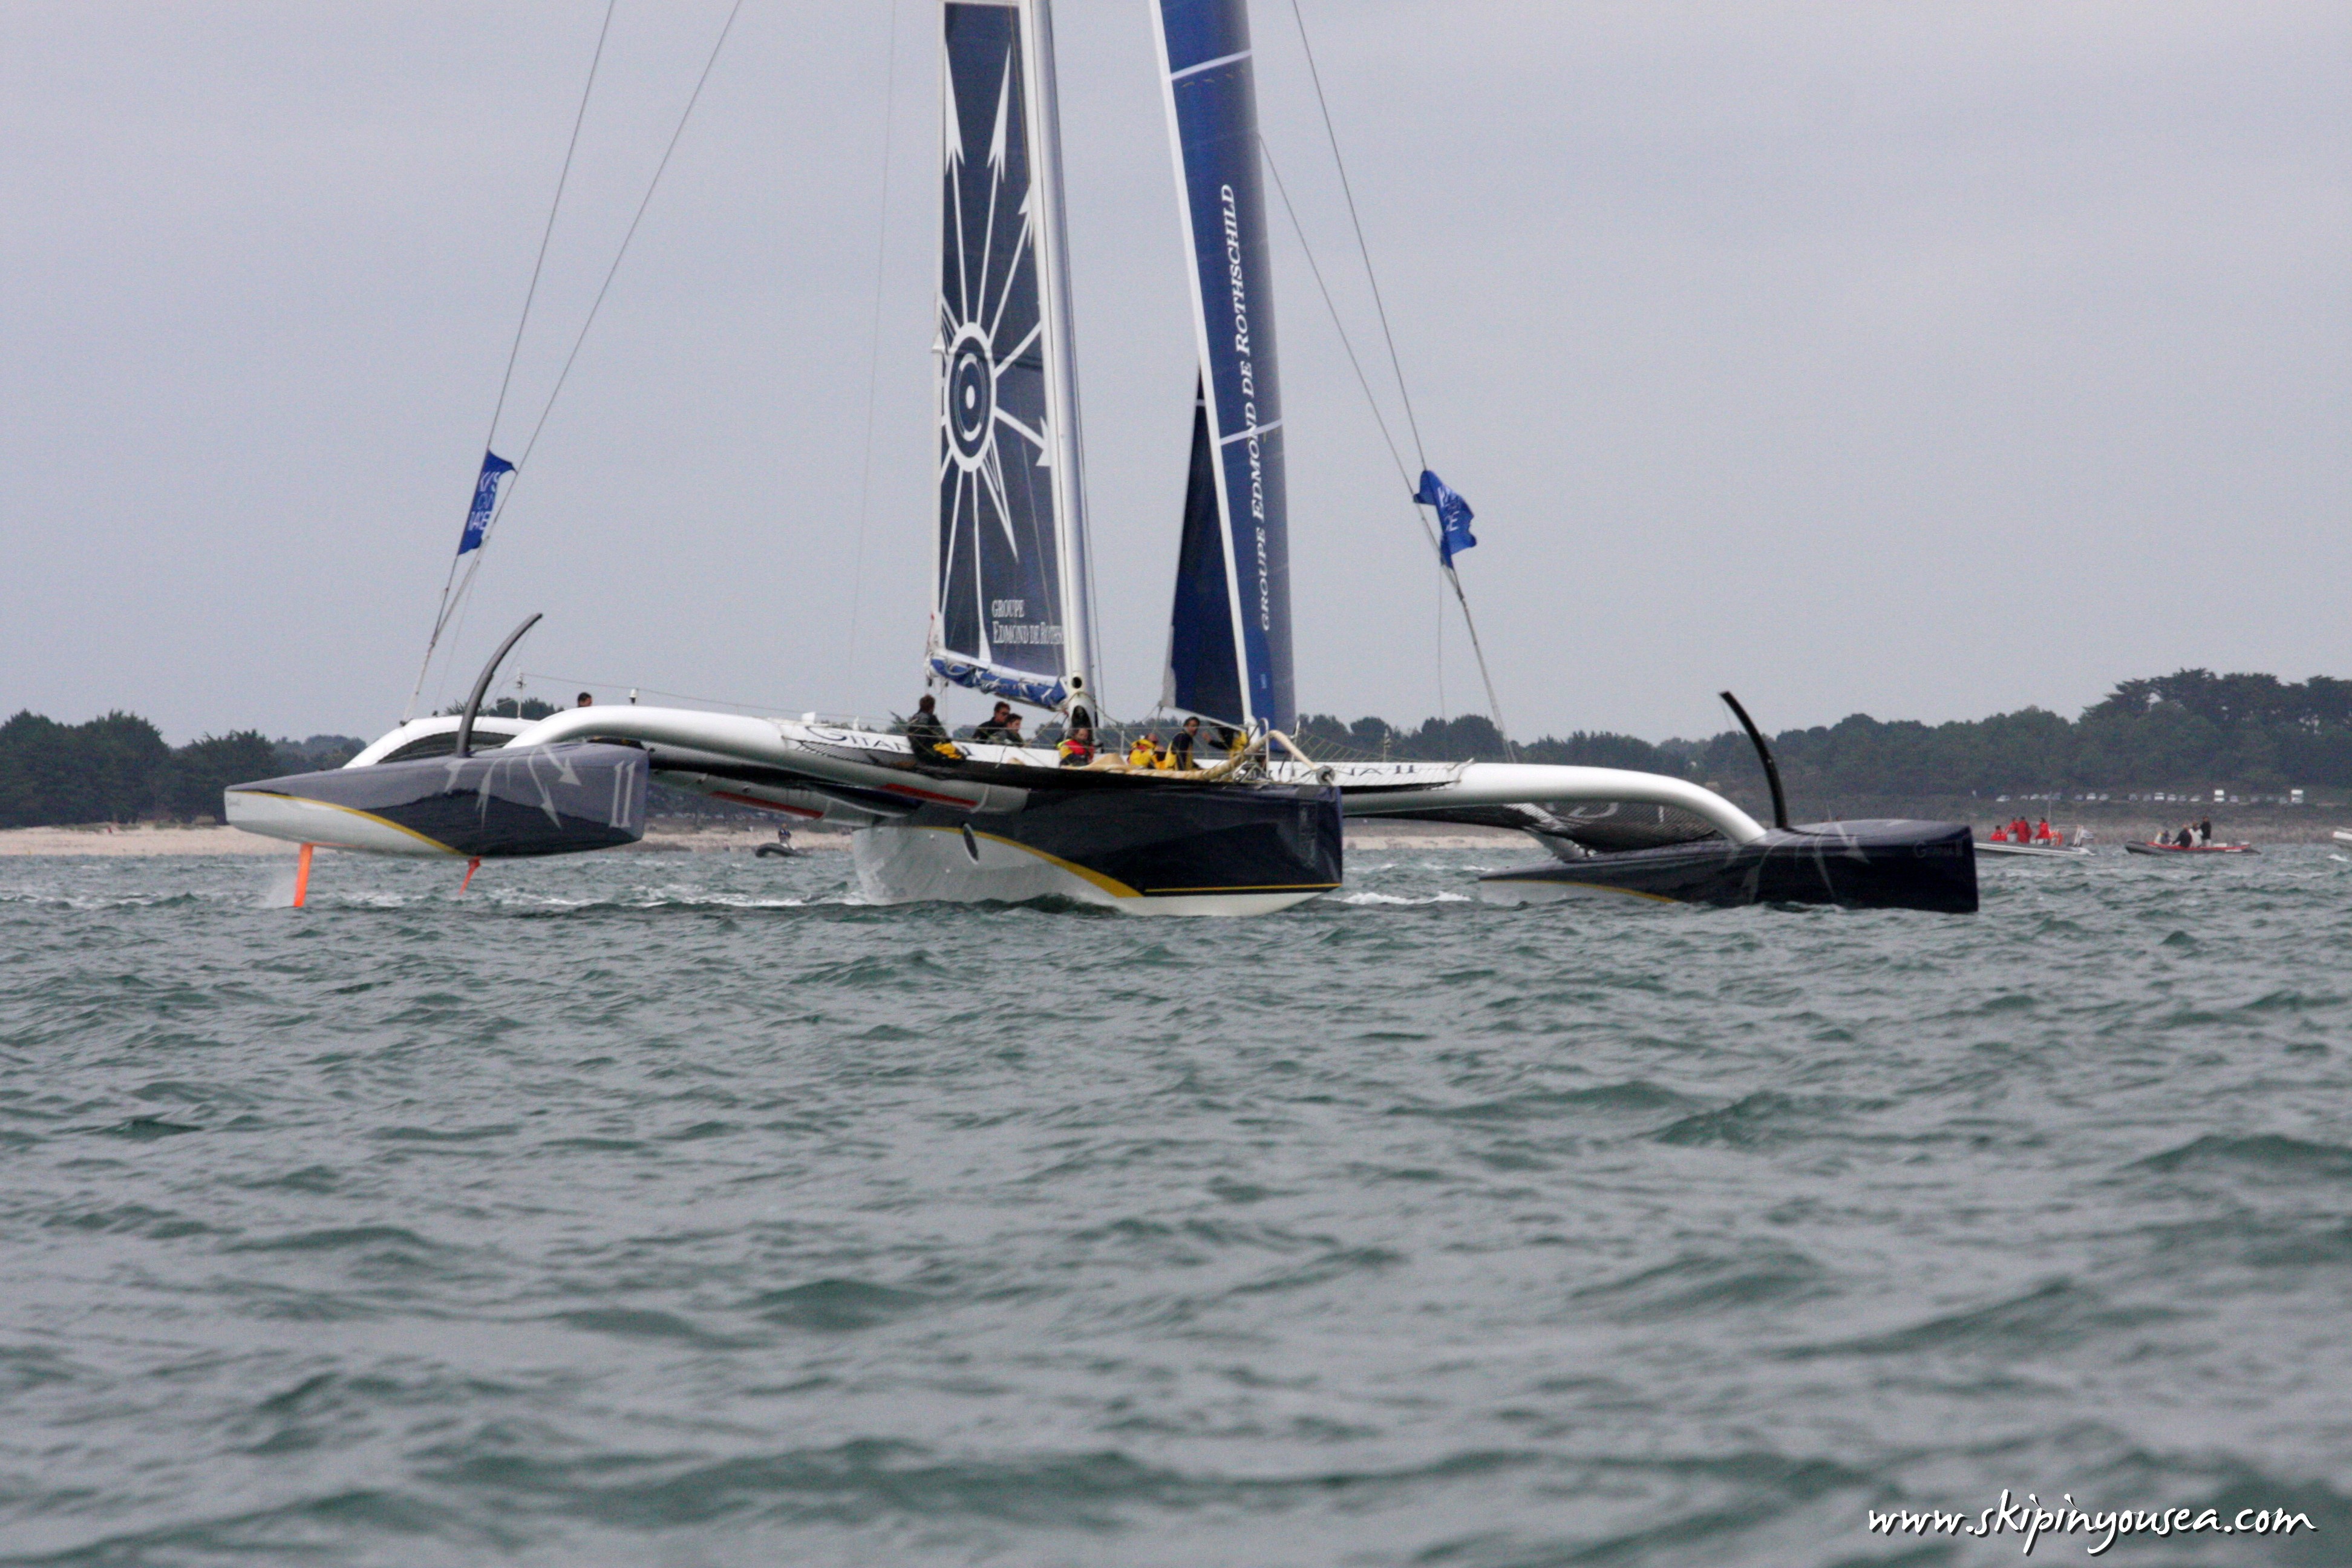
[994, 727]
[585, 701]
[2204, 830]
[925, 729]
[1179, 750]
[1077, 747]
[1013, 730]
[1145, 752]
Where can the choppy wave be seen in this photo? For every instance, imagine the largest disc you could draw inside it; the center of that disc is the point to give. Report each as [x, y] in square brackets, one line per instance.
[702, 1214]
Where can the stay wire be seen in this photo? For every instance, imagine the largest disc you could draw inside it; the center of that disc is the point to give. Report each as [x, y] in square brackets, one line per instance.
[514, 349]
[1395, 364]
[505, 495]
[1451, 578]
[1345, 341]
[619, 255]
[874, 340]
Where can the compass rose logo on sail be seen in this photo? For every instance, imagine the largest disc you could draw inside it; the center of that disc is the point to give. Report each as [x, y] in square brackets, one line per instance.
[996, 483]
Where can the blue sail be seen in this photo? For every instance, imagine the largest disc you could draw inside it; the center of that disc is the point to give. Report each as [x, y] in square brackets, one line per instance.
[1239, 671]
[997, 622]
[1203, 677]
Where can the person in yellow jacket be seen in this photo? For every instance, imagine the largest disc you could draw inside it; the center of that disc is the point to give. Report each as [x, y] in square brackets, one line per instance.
[1145, 752]
[1179, 747]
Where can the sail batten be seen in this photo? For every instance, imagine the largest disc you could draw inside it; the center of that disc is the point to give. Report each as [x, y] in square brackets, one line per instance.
[1009, 613]
[1244, 677]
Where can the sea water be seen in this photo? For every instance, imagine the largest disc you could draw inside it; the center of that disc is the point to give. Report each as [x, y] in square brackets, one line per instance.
[677, 1209]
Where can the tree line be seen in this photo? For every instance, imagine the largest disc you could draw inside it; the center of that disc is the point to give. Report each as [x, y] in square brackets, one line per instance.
[118, 769]
[2190, 731]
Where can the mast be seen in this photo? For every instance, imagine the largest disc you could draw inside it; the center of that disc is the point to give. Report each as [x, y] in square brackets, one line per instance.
[1079, 658]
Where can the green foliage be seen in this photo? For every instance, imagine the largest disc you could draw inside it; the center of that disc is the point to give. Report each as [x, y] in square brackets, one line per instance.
[103, 770]
[1601, 750]
[117, 769]
[190, 787]
[506, 707]
[317, 754]
[2188, 730]
[1471, 737]
[2192, 730]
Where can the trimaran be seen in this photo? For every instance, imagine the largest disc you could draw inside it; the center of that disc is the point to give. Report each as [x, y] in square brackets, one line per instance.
[1012, 616]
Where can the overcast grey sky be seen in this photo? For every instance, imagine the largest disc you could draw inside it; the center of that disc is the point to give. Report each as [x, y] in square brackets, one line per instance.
[1922, 360]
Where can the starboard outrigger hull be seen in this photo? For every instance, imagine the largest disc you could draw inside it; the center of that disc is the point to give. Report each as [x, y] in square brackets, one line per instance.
[1877, 864]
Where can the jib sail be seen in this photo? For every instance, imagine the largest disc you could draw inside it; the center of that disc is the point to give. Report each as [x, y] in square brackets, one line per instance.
[1229, 635]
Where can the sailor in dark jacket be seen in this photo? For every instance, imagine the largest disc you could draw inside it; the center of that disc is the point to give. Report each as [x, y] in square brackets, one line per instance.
[998, 725]
[925, 729]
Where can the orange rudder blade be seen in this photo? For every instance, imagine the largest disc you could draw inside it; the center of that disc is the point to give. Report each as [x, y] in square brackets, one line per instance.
[302, 877]
[472, 866]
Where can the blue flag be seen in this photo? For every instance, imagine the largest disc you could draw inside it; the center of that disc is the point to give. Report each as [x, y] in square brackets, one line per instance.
[486, 500]
[1453, 515]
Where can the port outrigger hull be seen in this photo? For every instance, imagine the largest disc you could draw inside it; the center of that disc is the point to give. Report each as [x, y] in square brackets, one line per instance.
[1875, 865]
[549, 800]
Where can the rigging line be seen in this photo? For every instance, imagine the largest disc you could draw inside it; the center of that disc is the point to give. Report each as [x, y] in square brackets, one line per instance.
[1510, 747]
[1361, 380]
[584, 683]
[1430, 533]
[1362, 250]
[1396, 365]
[873, 341]
[515, 478]
[514, 349]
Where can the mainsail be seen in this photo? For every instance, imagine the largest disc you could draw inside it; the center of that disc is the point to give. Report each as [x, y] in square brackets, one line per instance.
[1009, 611]
[1229, 636]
